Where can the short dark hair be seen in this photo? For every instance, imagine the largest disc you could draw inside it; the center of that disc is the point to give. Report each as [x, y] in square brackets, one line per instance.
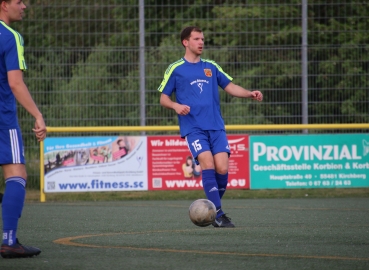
[186, 32]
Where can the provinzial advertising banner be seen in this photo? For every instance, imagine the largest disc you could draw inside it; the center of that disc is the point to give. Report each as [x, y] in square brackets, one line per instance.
[309, 161]
[171, 166]
[87, 164]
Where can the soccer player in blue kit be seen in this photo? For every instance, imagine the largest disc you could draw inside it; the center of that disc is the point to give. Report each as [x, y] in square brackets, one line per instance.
[12, 89]
[195, 83]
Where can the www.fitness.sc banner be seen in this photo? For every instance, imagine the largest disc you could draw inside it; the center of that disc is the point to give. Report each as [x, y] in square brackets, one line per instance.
[80, 164]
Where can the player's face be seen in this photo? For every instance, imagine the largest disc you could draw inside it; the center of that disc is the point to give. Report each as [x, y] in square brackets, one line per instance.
[195, 44]
[189, 162]
[16, 10]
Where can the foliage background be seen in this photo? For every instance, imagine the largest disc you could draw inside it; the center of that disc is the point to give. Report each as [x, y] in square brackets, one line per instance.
[83, 60]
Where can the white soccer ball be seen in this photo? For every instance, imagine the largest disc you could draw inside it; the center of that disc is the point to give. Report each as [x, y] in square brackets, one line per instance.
[202, 212]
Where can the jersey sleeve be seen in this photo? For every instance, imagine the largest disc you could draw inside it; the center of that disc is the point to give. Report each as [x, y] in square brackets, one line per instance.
[14, 53]
[167, 86]
[223, 78]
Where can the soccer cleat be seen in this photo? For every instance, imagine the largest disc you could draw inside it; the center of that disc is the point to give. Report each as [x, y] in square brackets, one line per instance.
[223, 222]
[18, 251]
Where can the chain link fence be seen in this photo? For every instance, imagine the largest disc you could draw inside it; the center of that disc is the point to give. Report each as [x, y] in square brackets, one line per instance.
[84, 64]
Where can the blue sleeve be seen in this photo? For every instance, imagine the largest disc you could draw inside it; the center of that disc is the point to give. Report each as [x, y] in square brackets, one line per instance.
[14, 59]
[170, 86]
[223, 78]
[168, 83]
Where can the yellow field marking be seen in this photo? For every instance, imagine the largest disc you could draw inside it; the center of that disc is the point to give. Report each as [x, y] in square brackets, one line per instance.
[68, 241]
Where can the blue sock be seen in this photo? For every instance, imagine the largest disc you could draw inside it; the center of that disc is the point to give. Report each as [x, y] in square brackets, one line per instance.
[12, 206]
[211, 189]
[222, 180]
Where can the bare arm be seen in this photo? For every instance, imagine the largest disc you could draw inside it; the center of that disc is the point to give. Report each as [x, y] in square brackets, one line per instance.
[21, 93]
[180, 109]
[238, 91]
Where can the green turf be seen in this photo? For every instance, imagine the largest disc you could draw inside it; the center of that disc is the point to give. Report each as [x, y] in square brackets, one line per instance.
[34, 195]
[302, 233]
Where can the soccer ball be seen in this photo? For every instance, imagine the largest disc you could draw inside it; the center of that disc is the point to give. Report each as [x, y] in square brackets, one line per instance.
[202, 212]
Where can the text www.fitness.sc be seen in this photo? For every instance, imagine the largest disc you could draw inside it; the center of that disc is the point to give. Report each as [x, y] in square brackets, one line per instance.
[100, 184]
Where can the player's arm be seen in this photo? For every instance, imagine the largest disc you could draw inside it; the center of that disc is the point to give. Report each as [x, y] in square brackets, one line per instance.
[180, 109]
[238, 91]
[23, 96]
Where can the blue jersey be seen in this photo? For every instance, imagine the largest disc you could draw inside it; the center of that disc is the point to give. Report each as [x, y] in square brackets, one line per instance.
[196, 85]
[11, 58]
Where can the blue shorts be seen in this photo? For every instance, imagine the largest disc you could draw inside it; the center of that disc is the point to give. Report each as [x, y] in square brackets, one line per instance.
[214, 141]
[11, 147]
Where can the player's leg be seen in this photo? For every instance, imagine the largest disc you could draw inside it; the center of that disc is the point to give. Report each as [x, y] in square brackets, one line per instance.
[221, 152]
[199, 147]
[221, 161]
[209, 182]
[221, 167]
[13, 200]
[14, 170]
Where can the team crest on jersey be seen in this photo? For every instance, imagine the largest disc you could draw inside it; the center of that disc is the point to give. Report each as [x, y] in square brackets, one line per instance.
[207, 72]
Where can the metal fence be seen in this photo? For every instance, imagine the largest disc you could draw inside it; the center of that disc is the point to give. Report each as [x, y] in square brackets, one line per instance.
[86, 64]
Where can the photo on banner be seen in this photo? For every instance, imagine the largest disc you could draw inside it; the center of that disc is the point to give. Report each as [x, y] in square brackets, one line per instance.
[84, 164]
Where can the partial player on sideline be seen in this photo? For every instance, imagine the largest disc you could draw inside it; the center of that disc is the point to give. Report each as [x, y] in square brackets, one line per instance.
[195, 83]
[12, 88]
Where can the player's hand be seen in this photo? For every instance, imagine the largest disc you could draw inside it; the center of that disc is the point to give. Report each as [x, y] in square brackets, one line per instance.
[257, 95]
[40, 129]
[182, 109]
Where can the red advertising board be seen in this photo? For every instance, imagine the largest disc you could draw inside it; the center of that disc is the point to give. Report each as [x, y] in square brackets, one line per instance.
[171, 167]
